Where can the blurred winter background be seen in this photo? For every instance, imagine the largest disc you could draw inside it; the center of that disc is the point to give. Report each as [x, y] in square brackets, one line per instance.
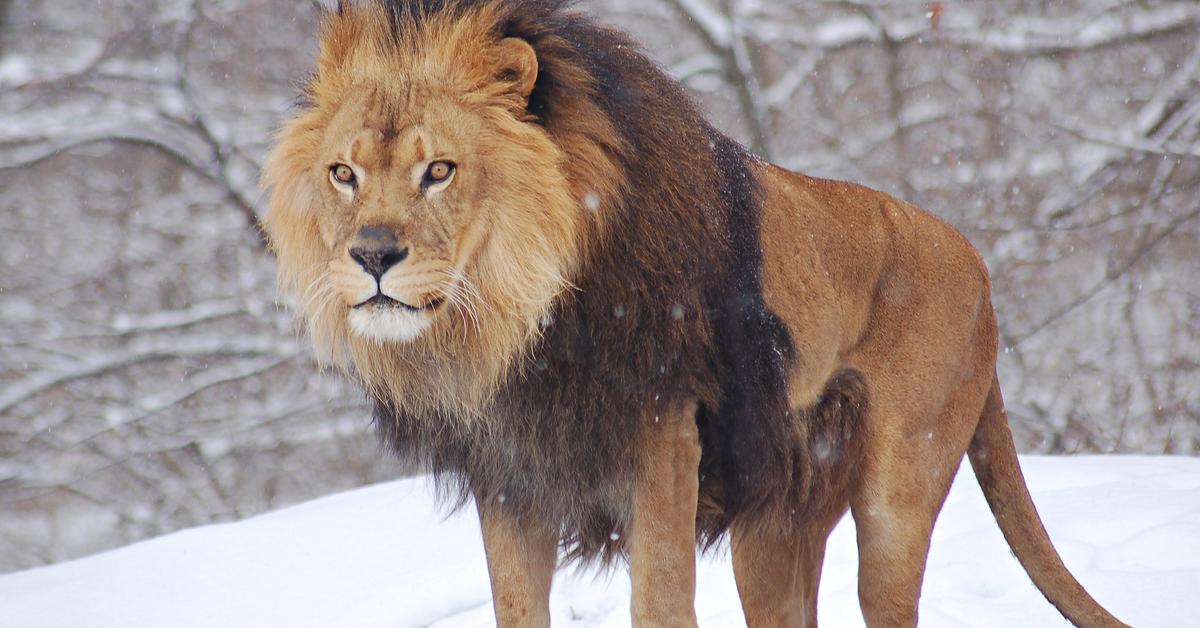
[149, 381]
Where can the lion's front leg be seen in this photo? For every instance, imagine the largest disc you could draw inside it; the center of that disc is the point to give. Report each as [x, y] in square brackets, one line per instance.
[521, 561]
[662, 543]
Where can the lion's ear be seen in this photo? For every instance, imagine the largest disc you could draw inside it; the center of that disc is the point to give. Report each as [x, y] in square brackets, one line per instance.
[518, 64]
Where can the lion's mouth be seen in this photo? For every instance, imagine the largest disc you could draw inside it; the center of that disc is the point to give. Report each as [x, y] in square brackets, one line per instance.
[382, 300]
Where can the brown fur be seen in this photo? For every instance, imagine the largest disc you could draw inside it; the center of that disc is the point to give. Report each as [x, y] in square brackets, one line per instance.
[649, 337]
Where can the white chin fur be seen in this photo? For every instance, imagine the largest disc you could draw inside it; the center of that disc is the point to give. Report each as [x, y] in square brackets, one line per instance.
[388, 324]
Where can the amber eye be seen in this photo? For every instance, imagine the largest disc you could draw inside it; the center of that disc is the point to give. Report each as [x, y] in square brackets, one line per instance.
[438, 172]
[342, 174]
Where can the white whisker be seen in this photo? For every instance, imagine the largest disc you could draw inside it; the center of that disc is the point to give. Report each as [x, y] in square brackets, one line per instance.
[464, 306]
[463, 300]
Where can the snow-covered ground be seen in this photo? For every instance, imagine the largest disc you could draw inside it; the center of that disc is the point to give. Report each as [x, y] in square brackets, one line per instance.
[386, 555]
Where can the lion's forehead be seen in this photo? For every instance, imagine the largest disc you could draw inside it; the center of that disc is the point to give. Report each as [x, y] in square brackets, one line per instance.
[401, 130]
[380, 147]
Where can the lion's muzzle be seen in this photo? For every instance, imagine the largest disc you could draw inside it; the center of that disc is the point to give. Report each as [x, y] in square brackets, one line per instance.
[392, 297]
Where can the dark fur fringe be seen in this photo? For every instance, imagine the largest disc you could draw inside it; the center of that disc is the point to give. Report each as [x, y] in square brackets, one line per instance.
[749, 434]
[824, 452]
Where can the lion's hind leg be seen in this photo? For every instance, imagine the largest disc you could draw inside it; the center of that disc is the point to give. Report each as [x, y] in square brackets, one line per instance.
[915, 446]
[928, 367]
[778, 572]
[904, 481]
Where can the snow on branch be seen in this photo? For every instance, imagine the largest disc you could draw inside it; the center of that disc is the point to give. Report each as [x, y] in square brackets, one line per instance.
[1022, 35]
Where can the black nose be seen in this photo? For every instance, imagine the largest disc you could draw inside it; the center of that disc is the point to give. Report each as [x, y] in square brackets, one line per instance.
[376, 250]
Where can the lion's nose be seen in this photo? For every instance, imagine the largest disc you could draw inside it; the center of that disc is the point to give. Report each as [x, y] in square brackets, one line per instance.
[376, 250]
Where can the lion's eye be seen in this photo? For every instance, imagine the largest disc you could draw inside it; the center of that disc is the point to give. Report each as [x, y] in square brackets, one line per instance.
[438, 171]
[342, 174]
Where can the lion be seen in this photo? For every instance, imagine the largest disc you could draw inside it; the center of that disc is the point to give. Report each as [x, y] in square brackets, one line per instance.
[576, 302]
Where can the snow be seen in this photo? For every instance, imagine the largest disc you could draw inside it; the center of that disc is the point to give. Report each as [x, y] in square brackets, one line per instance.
[386, 555]
[15, 70]
[841, 31]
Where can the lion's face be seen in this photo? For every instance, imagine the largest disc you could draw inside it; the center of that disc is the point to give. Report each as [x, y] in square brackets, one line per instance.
[416, 207]
[406, 204]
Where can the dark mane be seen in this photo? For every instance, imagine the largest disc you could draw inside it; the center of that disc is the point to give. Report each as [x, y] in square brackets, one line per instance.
[669, 306]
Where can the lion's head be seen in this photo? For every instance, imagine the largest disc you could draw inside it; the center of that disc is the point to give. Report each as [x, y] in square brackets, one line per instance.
[416, 204]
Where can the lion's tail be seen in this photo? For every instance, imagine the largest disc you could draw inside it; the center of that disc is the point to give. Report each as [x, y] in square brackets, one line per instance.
[994, 458]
